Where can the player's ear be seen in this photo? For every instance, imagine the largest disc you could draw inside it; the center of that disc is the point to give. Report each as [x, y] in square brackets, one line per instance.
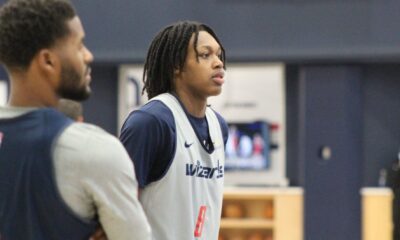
[47, 63]
[47, 60]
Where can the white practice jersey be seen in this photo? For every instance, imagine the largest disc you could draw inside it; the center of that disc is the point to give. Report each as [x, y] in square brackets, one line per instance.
[186, 203]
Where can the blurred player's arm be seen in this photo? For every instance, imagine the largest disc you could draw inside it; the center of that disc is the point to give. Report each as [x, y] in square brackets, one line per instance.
[95, 177]
[112, 185]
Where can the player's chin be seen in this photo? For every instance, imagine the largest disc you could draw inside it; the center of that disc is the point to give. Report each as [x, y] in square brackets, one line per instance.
[215, 91]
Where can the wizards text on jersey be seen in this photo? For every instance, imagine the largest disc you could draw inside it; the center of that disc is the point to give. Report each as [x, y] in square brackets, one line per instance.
[197, 170]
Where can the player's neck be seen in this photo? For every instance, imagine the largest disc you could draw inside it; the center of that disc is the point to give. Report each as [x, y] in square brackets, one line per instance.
[29, 92]
[194, 105]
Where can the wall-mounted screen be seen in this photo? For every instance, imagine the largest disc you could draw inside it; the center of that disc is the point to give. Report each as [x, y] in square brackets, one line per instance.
[248, 146]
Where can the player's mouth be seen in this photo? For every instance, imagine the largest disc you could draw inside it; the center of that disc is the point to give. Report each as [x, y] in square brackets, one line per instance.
[88, 71]
[218, 77]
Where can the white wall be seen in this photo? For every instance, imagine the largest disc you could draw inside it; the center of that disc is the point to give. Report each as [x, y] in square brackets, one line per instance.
[255, 92]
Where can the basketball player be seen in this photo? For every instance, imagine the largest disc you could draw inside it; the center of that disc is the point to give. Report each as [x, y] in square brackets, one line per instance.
[176, 141]
[59, 179]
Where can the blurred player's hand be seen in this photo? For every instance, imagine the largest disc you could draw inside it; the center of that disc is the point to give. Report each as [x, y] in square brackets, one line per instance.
[99, 234]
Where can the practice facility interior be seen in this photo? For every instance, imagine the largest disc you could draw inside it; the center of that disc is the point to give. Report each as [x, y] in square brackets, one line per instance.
[310, 98]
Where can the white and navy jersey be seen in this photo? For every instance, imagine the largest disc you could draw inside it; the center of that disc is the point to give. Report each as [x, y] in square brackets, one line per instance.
[92, 173]
[184, 200]
[30, 205]
[149, 136]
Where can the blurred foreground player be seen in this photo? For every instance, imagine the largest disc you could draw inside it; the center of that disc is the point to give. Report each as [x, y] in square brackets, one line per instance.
[58, 179]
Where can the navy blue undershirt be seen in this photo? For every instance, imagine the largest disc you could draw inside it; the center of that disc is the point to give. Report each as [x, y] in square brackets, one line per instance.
[149, 136]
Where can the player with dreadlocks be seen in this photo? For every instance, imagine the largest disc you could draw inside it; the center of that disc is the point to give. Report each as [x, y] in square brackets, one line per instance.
[176, 140]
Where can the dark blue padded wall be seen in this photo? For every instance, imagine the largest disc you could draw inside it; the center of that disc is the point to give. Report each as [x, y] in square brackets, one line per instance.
[331, 118]
[376, 128]
[381, 118]
[101, 107]
[286, 30]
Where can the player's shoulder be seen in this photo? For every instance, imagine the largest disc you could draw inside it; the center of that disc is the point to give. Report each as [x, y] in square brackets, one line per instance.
[220, 118]
[152, 113]
[85, 136]
[86, 130]
[157, 109]
[223, 124]
[91, 144]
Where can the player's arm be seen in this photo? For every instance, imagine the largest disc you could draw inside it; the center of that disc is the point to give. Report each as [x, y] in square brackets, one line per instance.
[109, 180]
[150, 142]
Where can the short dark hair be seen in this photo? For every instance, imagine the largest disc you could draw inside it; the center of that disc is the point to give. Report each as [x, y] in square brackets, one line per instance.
[167, 52]
[27, 26]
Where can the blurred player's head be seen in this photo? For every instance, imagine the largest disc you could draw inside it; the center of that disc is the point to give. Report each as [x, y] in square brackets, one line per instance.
[170, 55]
[43, 39]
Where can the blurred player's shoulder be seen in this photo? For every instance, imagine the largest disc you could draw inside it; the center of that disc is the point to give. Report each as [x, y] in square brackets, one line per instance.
[12, 112]
[81, 133]
[85, 128]
[85, 145]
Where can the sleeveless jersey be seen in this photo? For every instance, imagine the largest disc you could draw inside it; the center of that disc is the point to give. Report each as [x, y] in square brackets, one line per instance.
[186, 203]
[30, 205]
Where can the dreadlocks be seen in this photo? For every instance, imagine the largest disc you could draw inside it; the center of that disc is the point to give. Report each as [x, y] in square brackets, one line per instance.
[168, 52]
